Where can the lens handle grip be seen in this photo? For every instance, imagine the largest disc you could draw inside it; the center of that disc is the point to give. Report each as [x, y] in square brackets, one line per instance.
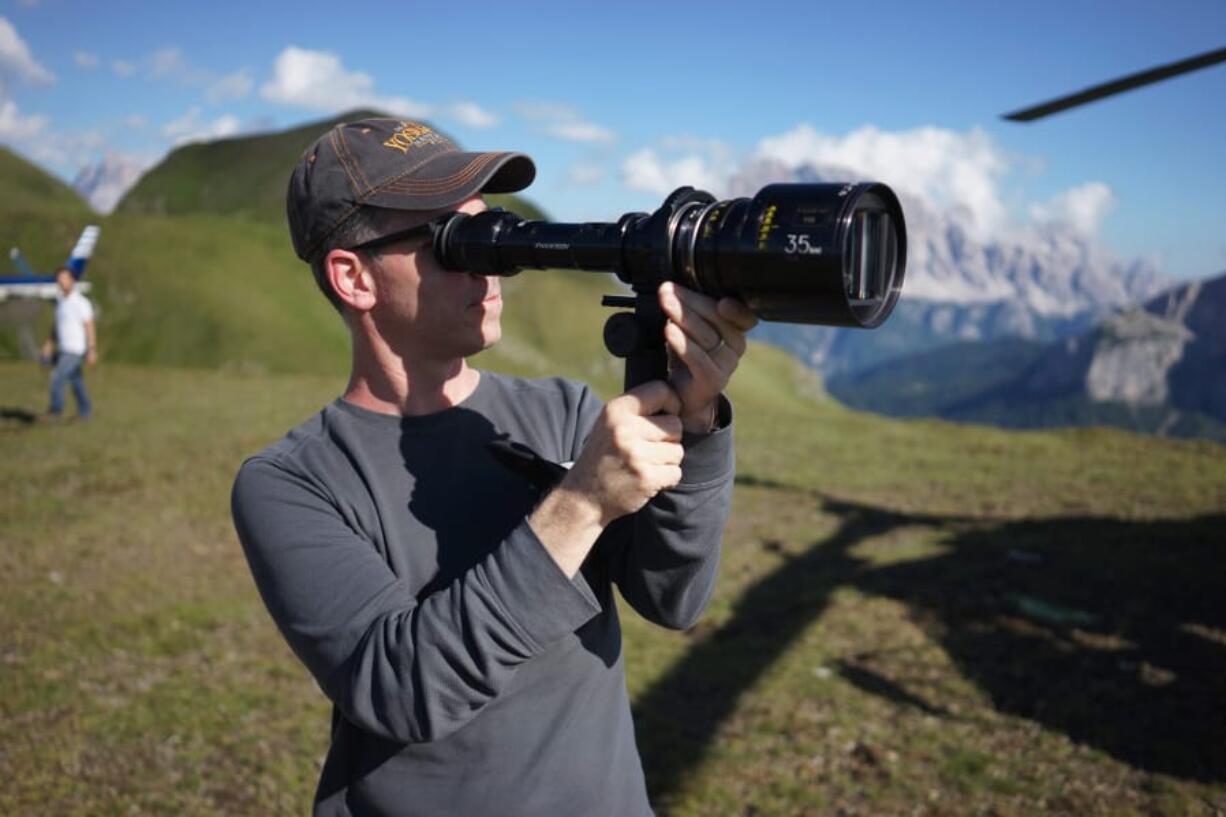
[637, 337]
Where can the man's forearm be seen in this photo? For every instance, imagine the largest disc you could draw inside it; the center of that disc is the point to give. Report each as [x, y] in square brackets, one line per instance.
[568, 524]
[631, 454]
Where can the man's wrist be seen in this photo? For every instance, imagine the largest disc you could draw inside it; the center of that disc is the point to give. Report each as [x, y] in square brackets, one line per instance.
[703, 421]
[567, 523]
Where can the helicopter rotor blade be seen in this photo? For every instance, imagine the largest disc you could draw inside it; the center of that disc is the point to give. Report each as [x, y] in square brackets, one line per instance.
[1118, 86]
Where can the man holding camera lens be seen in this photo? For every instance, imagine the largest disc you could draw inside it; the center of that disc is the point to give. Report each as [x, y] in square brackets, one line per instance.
[460, 618]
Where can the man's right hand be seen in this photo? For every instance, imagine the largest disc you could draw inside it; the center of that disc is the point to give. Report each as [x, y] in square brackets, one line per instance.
[633, 453]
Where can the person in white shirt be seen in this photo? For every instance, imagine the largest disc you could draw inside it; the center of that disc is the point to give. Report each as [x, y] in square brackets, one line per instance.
[75, 340]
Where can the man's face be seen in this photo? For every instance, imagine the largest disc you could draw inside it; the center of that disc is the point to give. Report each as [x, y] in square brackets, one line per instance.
[65, 281]
[425, 311]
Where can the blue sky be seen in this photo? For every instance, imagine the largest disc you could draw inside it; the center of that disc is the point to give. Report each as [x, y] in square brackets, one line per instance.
[618, 102]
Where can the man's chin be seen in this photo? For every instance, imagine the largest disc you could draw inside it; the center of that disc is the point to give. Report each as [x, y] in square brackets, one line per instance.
[490, 339]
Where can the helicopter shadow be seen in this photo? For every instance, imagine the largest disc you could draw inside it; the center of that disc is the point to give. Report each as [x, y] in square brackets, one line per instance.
[1111, 632]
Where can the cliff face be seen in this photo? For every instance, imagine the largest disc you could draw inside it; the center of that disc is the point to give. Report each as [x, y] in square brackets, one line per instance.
[1170, 352]
[1198, 380]
[1157, 368]
[1136, 352]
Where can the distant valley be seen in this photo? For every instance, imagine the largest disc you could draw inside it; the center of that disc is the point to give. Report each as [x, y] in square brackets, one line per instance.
[1158, 368]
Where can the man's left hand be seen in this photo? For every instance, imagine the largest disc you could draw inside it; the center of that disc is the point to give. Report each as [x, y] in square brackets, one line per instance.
[707, 337]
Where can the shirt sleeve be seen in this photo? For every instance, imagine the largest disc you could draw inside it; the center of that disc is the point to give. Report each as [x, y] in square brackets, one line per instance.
[407, 670]
[665, 558]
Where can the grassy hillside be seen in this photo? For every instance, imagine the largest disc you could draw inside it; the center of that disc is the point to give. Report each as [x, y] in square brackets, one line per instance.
[934, 382]
[43, 217]
[244, 176]
[213, 291]
[28, 187]
[911, 617]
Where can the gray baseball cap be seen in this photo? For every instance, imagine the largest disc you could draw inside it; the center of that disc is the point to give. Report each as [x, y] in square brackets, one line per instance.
[390, 163]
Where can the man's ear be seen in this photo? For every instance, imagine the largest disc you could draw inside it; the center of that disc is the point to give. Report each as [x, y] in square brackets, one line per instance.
[350, 277]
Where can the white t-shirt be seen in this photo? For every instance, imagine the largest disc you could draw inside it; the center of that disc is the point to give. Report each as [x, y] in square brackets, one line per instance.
[71, 313]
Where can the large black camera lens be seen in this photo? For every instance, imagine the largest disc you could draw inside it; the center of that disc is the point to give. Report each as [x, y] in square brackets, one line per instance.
[800, 253]
[831, 254]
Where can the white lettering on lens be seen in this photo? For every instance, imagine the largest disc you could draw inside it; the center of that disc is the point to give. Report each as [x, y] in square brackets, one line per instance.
[798, 243]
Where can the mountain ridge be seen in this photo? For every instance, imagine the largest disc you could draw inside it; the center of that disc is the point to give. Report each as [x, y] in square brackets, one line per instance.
[1154, 368]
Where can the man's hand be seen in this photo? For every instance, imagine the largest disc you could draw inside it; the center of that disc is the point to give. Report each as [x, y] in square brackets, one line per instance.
[633, 453]
[91, 340]
[708, 338]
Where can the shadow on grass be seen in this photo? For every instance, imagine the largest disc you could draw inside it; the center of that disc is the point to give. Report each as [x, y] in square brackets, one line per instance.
[16, 416]
[1111, 632]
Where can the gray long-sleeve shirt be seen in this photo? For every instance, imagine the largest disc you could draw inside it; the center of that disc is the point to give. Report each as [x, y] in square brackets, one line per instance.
[469, 675]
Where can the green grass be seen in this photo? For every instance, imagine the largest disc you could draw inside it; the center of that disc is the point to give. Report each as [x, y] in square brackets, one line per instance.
[29, 188]
[866, 651]
[42, 217]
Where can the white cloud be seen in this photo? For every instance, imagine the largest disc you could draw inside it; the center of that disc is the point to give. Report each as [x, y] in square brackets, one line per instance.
[473, 115]
[647, 170]
[33, 136]
[230, 87]
[317, 80]
[706, 164]
[581, 132]
[945, 168]
[566, 123]
[123, 68]
[86, 60]
[17, 128]
[191, 128]
[585, 174]
[963, 174]
[135, 121]
[1081, 208]
[167, 62]
[16, 59]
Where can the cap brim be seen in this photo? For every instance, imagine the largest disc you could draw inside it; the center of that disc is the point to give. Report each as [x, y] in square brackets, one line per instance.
[452, 177]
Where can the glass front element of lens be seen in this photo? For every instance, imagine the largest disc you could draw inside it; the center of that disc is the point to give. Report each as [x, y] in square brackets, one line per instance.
[870, 259]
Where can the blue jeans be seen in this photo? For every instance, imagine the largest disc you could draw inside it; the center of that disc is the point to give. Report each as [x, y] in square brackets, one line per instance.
[68, 370]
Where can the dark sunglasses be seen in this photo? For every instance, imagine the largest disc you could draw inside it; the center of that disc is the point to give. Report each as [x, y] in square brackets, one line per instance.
[420, 231]
[426, 230]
